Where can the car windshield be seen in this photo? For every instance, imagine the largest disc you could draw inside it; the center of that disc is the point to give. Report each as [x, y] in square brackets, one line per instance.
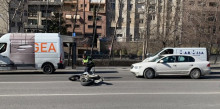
[156, 59]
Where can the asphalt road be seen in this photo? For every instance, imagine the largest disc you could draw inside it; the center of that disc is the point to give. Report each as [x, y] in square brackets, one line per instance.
[120, 90]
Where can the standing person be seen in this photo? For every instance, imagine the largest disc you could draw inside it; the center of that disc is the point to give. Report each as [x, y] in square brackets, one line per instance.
[88, 62]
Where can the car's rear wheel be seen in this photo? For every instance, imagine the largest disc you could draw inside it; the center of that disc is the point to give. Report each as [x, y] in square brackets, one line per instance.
[149, 73]
[195, 74]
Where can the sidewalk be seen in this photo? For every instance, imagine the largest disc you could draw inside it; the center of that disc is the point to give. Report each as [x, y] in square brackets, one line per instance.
[69, 69]
[81, 68]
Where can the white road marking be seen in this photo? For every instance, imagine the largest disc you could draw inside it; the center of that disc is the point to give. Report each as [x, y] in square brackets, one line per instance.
[156, 81]
[104, 94]
[35, 82]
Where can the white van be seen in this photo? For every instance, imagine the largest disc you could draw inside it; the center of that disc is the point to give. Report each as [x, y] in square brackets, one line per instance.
[31, 51]
[200, 53]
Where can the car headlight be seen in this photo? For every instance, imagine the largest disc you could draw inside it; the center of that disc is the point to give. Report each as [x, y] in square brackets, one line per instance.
[137, 67]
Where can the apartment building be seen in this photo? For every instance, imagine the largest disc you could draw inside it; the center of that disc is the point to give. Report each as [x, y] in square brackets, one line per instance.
[18, 12]
[39, 12]
[201, 21]
[134, 19]
[84, 17]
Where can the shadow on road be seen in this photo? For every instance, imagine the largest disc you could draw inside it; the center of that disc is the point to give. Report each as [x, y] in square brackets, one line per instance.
[102, 83]
[187, 77]
[55, 73]
[106, 78]
[213, 75]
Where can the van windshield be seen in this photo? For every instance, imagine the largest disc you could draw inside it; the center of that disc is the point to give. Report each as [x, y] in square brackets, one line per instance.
[156, 59]
[3, 47]
[156, 53]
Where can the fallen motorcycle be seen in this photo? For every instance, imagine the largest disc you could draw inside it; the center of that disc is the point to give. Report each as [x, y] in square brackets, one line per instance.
[87, 79]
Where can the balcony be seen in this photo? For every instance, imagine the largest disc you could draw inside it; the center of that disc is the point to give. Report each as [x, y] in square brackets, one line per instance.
[97, 1]
[44, 2]
[70, 1]
[34, 26]
[141, 10]
[141, 1]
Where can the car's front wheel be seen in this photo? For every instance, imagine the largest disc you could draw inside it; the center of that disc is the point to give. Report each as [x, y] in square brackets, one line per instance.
[149, 73]
[195, 74]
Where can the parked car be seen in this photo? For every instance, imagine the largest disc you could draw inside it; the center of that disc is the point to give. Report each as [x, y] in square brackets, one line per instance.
[172, 65]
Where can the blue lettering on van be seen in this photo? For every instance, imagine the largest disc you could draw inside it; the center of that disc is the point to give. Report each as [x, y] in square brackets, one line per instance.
[193, 51]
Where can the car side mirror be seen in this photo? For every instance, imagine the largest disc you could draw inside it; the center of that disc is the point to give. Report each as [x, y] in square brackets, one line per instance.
[161, 61]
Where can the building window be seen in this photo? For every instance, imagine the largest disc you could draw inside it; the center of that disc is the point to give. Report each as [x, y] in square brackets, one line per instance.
[152, 7]
[113, 6]
[170, 8]
[130, 8]
[160, 9]
[19, 24]
[214, 29]
[68, 25]
[118, 28]
[73, 6]
[12, 9]
[84, 5]
[44, 22]
[191, 17]
[25, 13]
[92, 7]
[90, 26]
[32, 21]
[99, 27]
[213, 4]
[12, 24]
[77, 26]
[211, 18]
[151, 17]
[191, 3]
[33, 14]
[119, 35]
[160, 1]
[141, 21]
[201, 3]
[99, 18]
[209, 29]
[121, 20]
[90, 18]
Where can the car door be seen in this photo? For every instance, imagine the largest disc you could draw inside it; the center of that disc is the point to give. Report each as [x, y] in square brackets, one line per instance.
[166, 66]
[184, 64]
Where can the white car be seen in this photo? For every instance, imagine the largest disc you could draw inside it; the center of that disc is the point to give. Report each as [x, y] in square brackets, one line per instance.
[172, 65]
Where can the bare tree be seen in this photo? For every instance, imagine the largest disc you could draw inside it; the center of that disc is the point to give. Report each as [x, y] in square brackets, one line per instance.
[4, 15]
[118, 23]
[201, 26]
